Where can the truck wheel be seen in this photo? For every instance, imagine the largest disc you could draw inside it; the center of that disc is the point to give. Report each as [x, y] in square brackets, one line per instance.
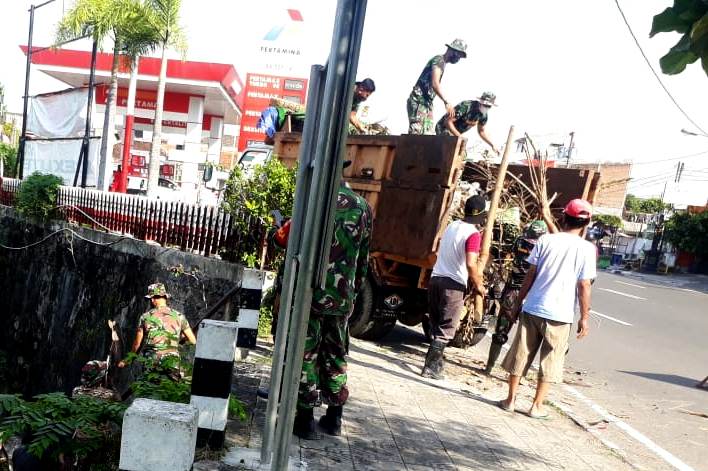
[361, 323]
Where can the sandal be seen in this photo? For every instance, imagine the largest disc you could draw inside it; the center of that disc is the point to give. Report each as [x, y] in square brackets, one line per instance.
[539, 415]
[504, 406]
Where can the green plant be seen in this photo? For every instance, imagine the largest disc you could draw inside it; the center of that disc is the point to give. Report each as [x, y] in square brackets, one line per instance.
[689, 232]
[84, 428]
[609, 220]
[690, 19]
[644, 205]
[37, 198]
[8, 154]
[271, 186]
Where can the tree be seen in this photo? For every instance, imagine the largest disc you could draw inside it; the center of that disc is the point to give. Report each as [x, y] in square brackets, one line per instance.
[609, 221]
[644, 205]
[127, 23]
[8, 154]
[689, 232]
[689, 18]
[165, 23]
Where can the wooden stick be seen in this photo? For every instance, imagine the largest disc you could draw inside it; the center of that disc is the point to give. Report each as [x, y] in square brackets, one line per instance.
[491, 216]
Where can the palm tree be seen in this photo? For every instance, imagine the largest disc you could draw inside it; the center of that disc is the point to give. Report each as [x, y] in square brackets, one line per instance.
[165, 21]
[128, 24]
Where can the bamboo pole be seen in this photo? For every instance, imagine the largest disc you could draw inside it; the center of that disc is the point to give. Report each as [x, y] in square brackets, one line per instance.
[491, 216]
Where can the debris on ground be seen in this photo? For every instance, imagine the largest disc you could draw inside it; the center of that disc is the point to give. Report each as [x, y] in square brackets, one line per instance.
[697, 414]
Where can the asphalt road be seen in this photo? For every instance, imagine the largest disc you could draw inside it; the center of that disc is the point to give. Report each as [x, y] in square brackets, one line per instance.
[644, 362]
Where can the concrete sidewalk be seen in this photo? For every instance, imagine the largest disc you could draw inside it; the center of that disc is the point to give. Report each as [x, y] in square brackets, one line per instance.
[396, 420]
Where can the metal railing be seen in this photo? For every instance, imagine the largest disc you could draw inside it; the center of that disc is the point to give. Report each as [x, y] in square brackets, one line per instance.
[206, 230]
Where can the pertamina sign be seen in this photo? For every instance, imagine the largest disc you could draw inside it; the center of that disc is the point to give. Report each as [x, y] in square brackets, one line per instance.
[281, 45]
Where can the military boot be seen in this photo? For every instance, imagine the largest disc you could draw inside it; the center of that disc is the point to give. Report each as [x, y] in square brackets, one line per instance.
[331, 422]
[304, 426]
[434, 360]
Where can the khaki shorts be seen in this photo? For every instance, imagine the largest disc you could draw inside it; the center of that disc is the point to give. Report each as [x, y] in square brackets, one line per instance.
[535, 333]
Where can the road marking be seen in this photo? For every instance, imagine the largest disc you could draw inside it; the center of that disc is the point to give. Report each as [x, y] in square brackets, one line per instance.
[623, 294]
[632, 432]
[630, 284]
[610, 318]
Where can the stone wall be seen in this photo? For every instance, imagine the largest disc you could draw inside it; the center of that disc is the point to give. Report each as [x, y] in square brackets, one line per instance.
[56, 297]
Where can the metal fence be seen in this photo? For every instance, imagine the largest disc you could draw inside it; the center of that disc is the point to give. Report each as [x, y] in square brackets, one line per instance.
[206, 230]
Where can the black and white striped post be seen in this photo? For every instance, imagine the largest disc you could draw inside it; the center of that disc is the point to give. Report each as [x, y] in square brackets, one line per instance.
[211, 379]
[253, 287]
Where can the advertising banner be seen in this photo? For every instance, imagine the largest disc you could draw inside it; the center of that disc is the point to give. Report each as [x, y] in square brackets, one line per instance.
[60, 158]
[60, 114]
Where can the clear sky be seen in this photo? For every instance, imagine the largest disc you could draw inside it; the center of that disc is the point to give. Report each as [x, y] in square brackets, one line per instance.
[556, 66]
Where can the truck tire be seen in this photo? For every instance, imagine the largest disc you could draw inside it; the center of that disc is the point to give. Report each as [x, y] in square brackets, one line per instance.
[362, 325]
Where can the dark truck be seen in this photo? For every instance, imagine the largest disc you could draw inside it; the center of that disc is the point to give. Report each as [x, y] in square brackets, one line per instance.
[410, 181]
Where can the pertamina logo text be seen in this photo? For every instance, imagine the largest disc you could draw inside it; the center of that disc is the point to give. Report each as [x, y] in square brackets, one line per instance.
[284, 35]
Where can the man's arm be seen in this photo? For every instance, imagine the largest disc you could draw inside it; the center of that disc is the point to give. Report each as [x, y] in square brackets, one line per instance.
[525, 287]
[136, 344]
[474, 273]
[190, 335]
[450, 124]
[483, 135]
[354, 120]
[584, 290]
[437, 75]
[362, 263]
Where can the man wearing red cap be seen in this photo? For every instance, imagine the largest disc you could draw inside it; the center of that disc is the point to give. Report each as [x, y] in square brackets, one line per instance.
[562, 267]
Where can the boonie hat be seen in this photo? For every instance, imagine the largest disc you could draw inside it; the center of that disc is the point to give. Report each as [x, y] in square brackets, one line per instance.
[578, 208]
[459, 45]
[157, 290]
[488, 99]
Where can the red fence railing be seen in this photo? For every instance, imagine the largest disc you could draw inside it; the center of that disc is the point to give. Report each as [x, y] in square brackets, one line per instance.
[205, 230]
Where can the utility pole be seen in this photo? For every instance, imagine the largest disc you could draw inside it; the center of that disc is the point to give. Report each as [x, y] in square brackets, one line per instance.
[570, 149]
[21, 151]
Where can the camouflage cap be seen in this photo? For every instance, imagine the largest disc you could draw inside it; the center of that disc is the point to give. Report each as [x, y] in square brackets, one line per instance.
[488, 99]
[157, 289]
[459, 45]
[536, 229]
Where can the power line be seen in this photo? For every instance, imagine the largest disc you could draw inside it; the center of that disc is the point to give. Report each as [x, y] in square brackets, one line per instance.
[654, 71]
[672, 158]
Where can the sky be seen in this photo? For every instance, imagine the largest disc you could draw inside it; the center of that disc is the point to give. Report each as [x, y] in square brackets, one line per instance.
[556, 66]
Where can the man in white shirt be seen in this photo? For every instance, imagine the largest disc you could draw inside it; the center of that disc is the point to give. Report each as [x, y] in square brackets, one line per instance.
[456, 266]
[562, 267]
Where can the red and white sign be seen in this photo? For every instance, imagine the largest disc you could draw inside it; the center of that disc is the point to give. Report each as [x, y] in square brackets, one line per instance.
[260, 89]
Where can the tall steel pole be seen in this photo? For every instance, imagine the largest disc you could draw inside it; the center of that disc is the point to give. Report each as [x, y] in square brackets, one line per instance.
[28, 67]
[86, 143]
[319, 176]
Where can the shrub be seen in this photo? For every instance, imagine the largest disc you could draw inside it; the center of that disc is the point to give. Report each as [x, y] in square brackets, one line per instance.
[37, 198]
[8, 154]
[84, 428]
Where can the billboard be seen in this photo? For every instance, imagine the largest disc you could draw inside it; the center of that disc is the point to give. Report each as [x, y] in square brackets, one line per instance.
[259, 90]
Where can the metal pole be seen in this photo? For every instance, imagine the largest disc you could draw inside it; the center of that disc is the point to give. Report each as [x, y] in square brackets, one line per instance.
[21, 151]
[326, 175]
[89, 109]
[128, 131]
[314, 95]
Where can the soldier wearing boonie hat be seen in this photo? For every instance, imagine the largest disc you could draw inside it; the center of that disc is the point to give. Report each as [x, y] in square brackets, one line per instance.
[159, 332]
[468, 114]
[420, 101]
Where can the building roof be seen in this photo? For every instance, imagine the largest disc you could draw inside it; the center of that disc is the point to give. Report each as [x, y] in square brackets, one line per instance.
[219, 84]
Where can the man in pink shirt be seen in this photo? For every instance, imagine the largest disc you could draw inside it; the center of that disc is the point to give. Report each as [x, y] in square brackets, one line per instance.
[454, 270]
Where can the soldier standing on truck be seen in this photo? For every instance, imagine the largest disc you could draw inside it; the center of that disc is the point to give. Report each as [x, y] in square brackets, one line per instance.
[455, 269]
[324, 365]
[362, 91]
[420, 101]
[468, 114]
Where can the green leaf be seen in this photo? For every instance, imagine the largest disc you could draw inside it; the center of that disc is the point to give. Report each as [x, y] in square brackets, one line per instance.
[667, 21]
[699, 37]
[678, 57]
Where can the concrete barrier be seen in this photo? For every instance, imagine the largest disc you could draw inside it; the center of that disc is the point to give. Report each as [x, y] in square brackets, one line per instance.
[254, 284]
[158, 436]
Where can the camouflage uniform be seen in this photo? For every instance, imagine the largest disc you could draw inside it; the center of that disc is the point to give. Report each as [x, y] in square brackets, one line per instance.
[162, 328]
[324, 365]
[467, 115]
[420, 101]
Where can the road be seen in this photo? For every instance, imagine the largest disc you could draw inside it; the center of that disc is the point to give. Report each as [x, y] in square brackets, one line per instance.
[644, 355]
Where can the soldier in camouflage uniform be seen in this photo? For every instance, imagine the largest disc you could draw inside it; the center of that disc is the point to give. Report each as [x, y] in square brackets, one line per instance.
[420, 101]
[161, 328]
[521, 250]
[468, 114]
[324, 366]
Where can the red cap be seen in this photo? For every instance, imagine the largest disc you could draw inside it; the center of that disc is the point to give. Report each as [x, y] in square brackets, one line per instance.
[578, 208]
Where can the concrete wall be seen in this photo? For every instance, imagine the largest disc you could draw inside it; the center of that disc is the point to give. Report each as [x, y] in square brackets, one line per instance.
[56, 298]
